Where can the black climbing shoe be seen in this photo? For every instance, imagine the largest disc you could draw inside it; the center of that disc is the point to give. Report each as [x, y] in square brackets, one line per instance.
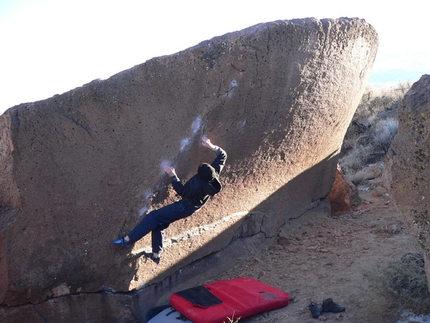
[121, 242]
[330, 306]
[152, 257]
[315, 309]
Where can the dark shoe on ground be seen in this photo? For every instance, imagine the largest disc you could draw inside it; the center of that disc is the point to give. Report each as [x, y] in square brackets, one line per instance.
[315, 309]
[152, 257]
[330, 306]
[121, 242]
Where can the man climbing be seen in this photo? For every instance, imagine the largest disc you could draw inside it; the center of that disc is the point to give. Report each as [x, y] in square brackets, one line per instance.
[195, 194]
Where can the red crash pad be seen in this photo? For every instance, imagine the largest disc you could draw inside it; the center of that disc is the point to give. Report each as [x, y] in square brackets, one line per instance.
[218, 301]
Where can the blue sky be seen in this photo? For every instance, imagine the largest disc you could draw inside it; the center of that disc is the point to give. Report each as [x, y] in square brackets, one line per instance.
[49, 47]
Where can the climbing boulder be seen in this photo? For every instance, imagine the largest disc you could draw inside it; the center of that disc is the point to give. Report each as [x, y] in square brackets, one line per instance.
[411, 157]
[84, 167]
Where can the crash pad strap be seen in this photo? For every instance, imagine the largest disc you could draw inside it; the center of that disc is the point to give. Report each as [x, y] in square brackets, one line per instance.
[199, 296]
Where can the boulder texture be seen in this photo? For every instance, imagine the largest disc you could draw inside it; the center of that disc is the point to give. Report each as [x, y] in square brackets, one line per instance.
[342, 195]
[82, 168]
[411, 158]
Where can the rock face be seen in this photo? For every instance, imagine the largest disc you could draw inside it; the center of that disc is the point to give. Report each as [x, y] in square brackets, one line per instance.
[81, 168]
[411, 158]
[342, 194]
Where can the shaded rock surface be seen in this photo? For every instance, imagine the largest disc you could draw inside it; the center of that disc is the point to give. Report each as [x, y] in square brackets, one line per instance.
[411, 158]
[81, 168]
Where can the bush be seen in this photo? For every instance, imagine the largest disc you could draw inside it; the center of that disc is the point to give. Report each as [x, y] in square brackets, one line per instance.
[384, 133]
[372, 128]
[375, 102]
[232, 320]
[404, 283]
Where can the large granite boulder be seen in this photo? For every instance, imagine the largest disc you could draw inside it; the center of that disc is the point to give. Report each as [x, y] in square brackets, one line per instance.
[82, 168]
[411, 158]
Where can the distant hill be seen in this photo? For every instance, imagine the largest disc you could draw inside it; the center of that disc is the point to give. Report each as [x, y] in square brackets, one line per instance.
[394, 77]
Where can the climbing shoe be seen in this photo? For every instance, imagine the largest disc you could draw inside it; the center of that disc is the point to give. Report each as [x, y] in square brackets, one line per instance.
[121, 242]
[315, 309]
[152, 257]
[329, 306]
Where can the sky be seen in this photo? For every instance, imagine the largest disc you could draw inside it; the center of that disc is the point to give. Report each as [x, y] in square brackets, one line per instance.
[49, 47]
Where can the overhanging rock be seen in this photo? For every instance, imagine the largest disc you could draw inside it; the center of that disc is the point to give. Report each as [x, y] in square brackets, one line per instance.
[79, 168]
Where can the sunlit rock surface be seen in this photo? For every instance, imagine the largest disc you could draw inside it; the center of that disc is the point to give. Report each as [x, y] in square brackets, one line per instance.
[411, 157]
[82, 168]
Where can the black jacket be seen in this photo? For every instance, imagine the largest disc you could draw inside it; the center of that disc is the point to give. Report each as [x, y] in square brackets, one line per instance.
[196, 192]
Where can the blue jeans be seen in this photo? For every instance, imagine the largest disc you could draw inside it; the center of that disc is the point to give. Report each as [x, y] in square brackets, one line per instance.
[158, 220]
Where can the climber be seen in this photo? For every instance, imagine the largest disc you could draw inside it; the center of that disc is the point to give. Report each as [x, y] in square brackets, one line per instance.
[195, 193]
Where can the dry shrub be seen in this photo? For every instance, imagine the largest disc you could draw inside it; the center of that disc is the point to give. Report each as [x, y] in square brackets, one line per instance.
[384, 133]
[376, 102]
[353, 161]
[372, 128]
[360, 177]
[402, 283]
[232, 320]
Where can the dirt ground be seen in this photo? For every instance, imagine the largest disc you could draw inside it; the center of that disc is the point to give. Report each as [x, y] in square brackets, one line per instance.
[326, 256]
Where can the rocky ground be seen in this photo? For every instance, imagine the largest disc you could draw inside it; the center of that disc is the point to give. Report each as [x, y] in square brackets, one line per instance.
[328, 256]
